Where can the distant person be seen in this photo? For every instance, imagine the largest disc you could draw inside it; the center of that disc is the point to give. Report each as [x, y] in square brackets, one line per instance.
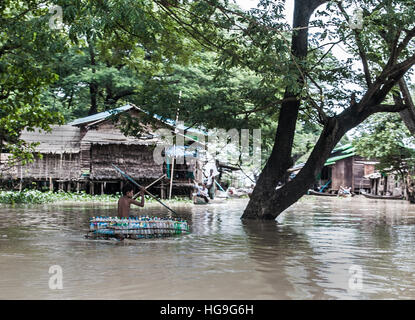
[411, 192]
[202, 192]
[211, 184]
[190, 171]
[127, 199]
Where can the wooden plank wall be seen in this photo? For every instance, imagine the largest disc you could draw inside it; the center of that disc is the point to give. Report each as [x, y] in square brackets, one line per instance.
[85, 157]
[56, 166]
[359, 171]
[342, 174]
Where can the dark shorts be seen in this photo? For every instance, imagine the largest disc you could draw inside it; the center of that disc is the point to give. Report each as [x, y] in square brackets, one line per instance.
[190, 175]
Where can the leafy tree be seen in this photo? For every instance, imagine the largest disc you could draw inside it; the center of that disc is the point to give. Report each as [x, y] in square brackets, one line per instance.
[115, 46]
[318, 85]
[27, 49]
[386, 138]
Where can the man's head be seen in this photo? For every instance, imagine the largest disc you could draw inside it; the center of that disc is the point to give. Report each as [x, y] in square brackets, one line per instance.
[128, 190]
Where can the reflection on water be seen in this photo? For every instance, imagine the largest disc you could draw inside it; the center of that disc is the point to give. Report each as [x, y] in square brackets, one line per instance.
[305, 254]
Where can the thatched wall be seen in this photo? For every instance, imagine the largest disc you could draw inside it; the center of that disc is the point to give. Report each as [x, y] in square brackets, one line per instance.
[136, 160]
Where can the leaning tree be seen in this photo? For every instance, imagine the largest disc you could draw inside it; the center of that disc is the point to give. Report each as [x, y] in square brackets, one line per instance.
[383, 43]
[338, 93]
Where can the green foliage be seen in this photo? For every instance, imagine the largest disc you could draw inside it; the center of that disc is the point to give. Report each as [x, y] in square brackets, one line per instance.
[385, 138]
[305, 138]
[27, 50]
[37, 197]
[208, 95]
[115, 45]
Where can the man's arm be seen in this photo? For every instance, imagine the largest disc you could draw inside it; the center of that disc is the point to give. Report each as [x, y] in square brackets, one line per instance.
[140, 204]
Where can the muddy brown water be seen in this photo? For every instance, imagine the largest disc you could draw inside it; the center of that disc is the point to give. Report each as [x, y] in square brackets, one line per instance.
[321, 248]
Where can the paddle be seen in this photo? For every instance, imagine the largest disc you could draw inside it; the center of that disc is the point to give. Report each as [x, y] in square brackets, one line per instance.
[133, 181]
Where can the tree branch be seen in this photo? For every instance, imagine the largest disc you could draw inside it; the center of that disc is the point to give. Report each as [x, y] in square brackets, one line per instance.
[360, 47]
[388, 108]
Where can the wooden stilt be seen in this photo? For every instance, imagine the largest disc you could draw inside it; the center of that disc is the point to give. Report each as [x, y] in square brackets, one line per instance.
[91, 189]
[163, 190]
[21, 179]
[50, 184]
[102, 188]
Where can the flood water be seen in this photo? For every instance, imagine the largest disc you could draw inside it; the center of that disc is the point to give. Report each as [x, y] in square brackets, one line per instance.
[321, 248]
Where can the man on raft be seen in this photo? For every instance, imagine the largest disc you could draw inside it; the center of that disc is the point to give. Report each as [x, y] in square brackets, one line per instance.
[126, 200]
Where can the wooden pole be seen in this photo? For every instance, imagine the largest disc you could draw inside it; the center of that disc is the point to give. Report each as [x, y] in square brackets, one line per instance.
[21, 179]
[171, 174]
[174, 148]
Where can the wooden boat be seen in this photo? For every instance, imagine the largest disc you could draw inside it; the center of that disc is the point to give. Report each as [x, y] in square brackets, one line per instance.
[372, 196]
[200, 201]
[324, 194]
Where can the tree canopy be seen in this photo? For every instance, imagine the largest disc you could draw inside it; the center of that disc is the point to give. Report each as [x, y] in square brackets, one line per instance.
[385, 138]
[28, 48]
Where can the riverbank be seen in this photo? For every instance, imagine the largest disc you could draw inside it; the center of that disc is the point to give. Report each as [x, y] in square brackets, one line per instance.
[39, 197]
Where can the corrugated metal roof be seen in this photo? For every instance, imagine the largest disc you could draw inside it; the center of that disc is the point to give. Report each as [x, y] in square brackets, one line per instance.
[107, 114]
[100, 116]
[334, 159]
[343, 148]
[180, 127]
[346, 151]
[62, 139]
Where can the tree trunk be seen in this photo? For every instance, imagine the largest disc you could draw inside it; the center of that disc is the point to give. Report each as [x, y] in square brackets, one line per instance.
[407, 115]
[93, 86]
[292, 191]
[280, 160]
[295, 189]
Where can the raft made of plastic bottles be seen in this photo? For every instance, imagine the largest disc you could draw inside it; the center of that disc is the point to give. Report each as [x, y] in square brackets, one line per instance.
[137, 227]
